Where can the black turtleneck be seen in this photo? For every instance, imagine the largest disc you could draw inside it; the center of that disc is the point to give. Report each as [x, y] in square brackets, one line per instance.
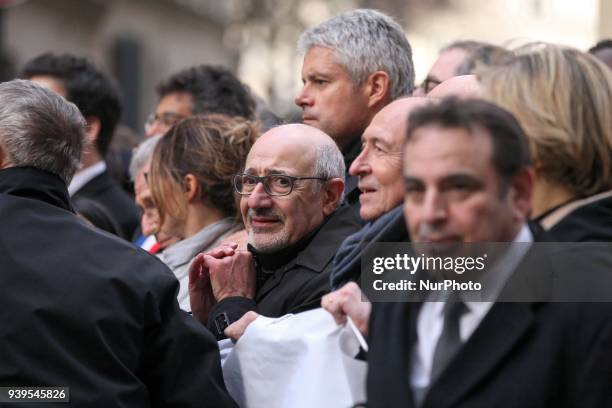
[268, 262]
[351, 151]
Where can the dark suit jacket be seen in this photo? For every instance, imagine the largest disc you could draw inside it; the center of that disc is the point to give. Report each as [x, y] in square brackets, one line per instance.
[84, 309]
[521, 355]
[105, 190]
[297, 284]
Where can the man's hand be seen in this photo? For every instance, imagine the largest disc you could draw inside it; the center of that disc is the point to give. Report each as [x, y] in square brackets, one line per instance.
[200, 291]
[201, 296]
[232, 272]
[347, 301]
[235, 330]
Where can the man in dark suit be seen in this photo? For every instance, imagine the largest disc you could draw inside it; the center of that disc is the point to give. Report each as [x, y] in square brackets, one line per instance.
[97, 98]
[354, 64]
[468, 179]
[81, 308]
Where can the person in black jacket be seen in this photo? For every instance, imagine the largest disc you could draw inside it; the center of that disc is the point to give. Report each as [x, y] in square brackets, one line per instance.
[79, 81]
[291, 203]
[379, 174]
[468, 179]
[81, 308]
[354, 64]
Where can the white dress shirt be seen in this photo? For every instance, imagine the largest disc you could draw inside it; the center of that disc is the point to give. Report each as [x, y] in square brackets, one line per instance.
[85, 176]
[431, 319]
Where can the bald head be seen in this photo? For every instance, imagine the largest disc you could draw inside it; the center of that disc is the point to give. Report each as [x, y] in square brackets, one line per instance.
[393, 116]
[463, 87]
[294, 138]
[279, 211]
[308, 148]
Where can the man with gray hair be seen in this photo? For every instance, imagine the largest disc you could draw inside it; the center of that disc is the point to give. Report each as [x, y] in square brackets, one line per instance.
[354, 64]
[83, 309]
[291, 204]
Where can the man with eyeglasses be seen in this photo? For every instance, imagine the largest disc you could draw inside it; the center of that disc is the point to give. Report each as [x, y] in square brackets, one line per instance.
[291, 203]
[460, 58]
[199, 89]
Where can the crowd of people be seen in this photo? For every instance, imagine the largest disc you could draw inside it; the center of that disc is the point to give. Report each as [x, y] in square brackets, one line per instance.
[122, 275]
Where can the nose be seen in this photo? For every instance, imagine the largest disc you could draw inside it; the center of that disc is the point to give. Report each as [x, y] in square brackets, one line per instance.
[259, 198]
[360, 165]
[303, 98]
[149, 221]
[434, 208]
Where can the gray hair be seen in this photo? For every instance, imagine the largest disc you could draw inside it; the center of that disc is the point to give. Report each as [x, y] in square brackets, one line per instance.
[39, 128]
[329, 163]
[142, 155]
[366, 41]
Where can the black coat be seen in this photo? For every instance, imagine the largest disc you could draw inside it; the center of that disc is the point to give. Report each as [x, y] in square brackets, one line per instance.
[590, 220]
[292, 281]
[521, 355]
[86, 310]
[105, 190]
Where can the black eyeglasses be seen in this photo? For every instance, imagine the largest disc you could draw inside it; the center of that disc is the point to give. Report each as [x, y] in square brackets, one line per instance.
[167, 119]
[274, 184]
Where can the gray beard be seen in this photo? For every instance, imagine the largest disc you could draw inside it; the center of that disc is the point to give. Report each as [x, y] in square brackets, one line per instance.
[271, 244]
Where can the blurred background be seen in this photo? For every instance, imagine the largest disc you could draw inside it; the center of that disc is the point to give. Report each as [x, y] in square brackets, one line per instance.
[141, 42]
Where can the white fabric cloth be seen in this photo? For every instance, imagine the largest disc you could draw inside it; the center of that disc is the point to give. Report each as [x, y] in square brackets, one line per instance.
[298, 361]
[85, 176]
[178, 257]
[431, 319]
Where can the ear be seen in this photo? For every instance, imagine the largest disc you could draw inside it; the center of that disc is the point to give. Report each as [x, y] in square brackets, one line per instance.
[331, 194]
[520, 193]
[191, 188]
[377, 88]
[92, 129]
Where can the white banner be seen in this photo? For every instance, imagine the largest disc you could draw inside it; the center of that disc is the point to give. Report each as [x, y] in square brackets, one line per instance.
[296, 361]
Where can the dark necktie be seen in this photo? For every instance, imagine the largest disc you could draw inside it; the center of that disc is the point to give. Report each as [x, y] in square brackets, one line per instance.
[449, 342]
[447, 346]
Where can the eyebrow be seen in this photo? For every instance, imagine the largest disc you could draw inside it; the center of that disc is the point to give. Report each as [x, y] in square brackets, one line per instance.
[250, 170]
[412, 180]
[318, 75]
[465, 179]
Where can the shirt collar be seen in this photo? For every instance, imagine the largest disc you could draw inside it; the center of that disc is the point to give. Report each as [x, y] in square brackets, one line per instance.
[494, 281]
[85, 176]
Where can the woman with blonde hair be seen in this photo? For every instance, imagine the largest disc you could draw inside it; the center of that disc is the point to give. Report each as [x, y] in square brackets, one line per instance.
[191, 185]
[563, 99]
